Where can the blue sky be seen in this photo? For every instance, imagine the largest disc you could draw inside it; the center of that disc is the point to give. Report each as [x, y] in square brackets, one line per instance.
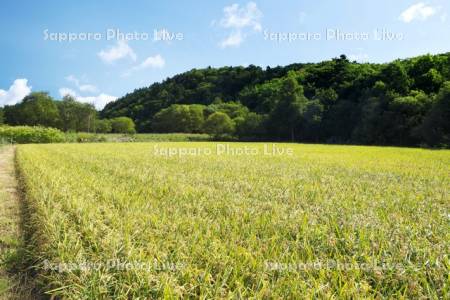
[37, 56]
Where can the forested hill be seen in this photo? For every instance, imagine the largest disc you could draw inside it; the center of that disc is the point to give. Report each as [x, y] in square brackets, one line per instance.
[197, 86]
[405, 102]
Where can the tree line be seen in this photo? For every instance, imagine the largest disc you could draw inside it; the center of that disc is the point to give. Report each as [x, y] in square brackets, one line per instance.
[405, 102]
[68, 115]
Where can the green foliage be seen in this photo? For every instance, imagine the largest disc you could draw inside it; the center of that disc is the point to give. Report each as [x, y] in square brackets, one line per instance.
[396, 76]
[332, 101]
[286, 116]
[232, 109]
[196, 118]
[39, 109]
[179, 118]
[2, 119]
[76, 116]
[311, 120]
[191, 118]
[435, 129]
[36, 109]
[250, 126]
[193, 87]
[219, 124]
[404, 115]
[327, 97]
[421, 65]
[387, 118]
[31, 135]
[261, 98]
[430, 82]
[123, 125]
[103, 126]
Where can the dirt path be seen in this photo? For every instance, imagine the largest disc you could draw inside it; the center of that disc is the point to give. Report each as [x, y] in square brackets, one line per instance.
[10, 235]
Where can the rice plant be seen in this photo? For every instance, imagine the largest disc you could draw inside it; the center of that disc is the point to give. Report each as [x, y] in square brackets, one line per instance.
[125, 221]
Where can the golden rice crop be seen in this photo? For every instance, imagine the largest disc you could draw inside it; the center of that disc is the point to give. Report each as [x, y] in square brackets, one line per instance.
[120, 221]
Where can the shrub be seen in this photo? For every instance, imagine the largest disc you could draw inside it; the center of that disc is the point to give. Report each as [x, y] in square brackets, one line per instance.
[103, 126]
[219, 124]
[31, 135]
[123, 125]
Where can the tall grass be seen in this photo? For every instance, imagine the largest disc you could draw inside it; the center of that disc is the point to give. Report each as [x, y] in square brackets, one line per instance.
[327, 222]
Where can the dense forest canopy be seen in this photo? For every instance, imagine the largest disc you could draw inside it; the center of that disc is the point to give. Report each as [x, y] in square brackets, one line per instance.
[405, 102]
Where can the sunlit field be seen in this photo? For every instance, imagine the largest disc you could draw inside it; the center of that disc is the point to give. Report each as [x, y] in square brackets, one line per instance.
[123, 221]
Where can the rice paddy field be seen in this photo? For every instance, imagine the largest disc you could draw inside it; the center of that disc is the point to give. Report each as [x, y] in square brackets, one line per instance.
[176, 220]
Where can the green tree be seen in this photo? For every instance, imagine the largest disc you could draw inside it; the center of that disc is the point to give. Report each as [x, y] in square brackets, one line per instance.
[362, 103]
[219, 124]
[421, 65]
[123, 125]
[67, 113]
[232, 109]
[286, 116]
[327, 97]
[402, 116]
[179, 118]
[196, 118]
[38, 108]
[166, 120]
[103, 126]
[250, 125]
[2, 120]
[86, 117]
[430, 82]
[370, 128]
[397, 78]
[261, 98]
[312, 120]
[435, 129]
[76, 116]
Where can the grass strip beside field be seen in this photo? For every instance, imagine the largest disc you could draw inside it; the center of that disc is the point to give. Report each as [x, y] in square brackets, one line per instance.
[329, 221]
[11, 243]
[9, 219]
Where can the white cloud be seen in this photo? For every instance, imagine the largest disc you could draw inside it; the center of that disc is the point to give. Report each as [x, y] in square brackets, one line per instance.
[152, 62]
[233, 40]
[117, 52]
[239, 20]
[16, 92]
[98, 101]
[67, 92]
[419, 11]
[89, 88]
[155, 62]
[239, 17]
